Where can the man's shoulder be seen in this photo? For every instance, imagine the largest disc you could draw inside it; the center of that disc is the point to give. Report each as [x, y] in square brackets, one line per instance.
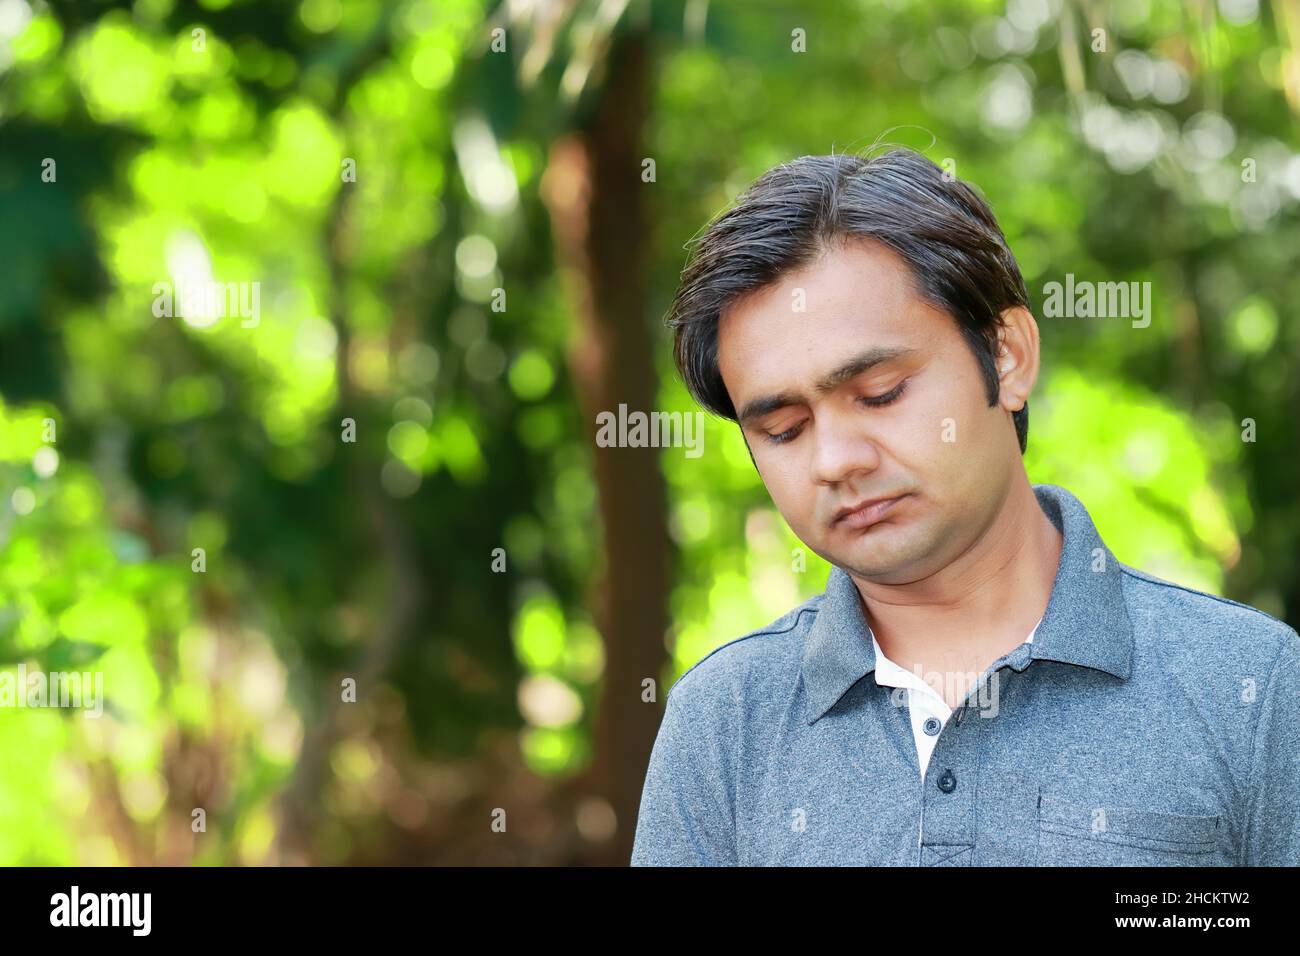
[758, 659]
[1227, 630]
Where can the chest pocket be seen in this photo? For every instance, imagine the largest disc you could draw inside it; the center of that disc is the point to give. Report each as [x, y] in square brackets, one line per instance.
[1071, 833]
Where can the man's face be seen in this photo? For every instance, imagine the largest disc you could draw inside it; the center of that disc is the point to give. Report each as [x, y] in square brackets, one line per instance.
[869, 393]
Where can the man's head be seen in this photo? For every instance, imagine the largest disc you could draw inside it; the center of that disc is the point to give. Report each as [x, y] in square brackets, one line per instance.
[866, 324]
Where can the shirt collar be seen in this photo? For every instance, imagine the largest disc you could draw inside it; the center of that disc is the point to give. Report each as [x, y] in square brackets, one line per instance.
[889, 674]
[1086, 622]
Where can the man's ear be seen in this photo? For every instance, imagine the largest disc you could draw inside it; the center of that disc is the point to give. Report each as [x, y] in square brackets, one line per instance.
[1016, 358]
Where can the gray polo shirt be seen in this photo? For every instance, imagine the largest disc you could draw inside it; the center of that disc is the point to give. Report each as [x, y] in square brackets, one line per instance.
[1147, 724]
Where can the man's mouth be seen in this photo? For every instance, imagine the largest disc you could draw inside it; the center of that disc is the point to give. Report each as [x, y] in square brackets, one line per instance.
[864, 514]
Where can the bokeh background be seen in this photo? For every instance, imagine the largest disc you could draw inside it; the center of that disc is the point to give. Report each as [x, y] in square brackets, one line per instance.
[493, 274]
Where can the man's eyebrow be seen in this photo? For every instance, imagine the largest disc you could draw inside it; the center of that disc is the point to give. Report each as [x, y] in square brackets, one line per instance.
[854, 367]
[769, 403]
[861, 363]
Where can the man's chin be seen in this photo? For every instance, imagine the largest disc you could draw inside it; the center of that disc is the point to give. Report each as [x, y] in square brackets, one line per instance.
[883, 563]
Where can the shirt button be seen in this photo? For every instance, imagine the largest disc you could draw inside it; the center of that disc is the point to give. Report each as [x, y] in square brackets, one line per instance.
[932, 725]
[947, 782]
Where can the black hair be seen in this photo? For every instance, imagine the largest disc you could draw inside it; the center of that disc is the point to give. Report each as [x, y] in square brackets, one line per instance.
[947, 235]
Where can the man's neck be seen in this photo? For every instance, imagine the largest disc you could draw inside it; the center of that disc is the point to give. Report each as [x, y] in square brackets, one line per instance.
[981, 605]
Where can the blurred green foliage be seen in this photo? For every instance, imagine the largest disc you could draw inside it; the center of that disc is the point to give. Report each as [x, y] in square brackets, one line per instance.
[211, 142]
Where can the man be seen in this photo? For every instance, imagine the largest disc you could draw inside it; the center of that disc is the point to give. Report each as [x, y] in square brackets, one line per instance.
[982, 682]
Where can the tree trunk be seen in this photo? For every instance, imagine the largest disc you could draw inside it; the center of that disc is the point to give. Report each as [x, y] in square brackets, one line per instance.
[597, 201]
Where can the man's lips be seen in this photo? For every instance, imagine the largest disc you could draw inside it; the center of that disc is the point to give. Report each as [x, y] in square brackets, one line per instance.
[864, 514]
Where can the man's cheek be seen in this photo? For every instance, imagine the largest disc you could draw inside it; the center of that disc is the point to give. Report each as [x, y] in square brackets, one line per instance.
[793, 498]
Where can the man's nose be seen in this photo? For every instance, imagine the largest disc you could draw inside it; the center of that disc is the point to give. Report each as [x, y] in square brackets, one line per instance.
[842, 447]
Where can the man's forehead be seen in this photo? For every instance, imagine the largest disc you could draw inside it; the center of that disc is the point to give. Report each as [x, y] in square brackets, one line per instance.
[809, 324]
[808, 346]
[852, 273]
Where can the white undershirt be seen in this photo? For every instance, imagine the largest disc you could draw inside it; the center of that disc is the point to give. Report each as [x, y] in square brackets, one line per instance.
[923, 701]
